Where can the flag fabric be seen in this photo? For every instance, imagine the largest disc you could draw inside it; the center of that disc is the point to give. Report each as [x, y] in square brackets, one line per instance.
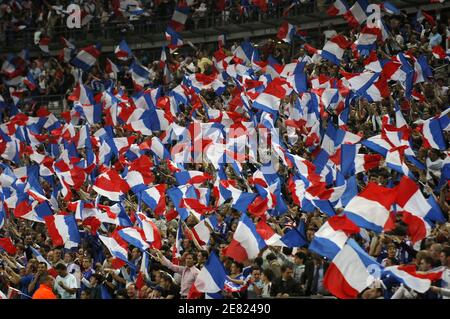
[7, 245]
[349, 272]
[332, 236]
[246, 243]
[63, 230]
[339, 7]
[212, 276]
[86, 57]
[123, 51]
[371, 208]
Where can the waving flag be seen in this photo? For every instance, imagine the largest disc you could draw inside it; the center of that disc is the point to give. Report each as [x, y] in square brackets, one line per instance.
[7, 245]
[43, 44]
[134, 236]
[140, 75]
[174, 39]
[339, 7]
[417, 211]
[332, 236]
[432, 132]
[111, 69]
[111, 185]
[246, 243]
[405, 275]
[286, 32]
[334, 49]
[179, 17]
[390, 8]
[63, 230]
[155, 198]
[268, 234]
[371, 208]
[244, 52]
[357, 14]
[116, 250]
[270, 99]
[123, 51]
[348, 274]
[212, 276]
[86, 57]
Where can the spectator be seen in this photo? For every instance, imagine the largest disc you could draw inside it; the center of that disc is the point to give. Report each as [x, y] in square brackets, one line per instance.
[45, 290]
[65, 284]
[286, 285]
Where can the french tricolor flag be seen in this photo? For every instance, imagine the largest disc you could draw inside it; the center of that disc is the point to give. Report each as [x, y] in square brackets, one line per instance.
[43, 44]
[349, 272]
[140, 75]
[330, 239]
[357, 14]
[154, 197]
[339, 7]
[110, 185]
[63, 230]
[30, 82]
[116, 250]
[244, 52]
[432, 132]
[211, 278]
[334, 48]
[353, 163]
[86, 57]
[286, 32]
[372, 63]
[390, 8]
[123, 51]
[134, 236]
[179, 17]
[240, 199]
[269, 100]
[246, 243]
[409, 277]
[417, 210]
[202, 231]
[174, 39]
[192, 177]
[268, 234]
[111, 69]
[371, 208]
[439, 53]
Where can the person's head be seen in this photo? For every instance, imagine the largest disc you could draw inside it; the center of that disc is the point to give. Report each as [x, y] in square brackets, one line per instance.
[391, 250]
[95, 279]
[68, 258]
[445, 256]
[286, 271]
[267, 275]
[166, 281]
[57, 254]
[135, 254]
[371, 293]
[46, 280]
[50, 256]
[426, 263]
[256, 273]
[236, 268]
[189, 260]
[42, 267]
[435, 251]
[131, 290]
[271, 257]
[30, 268]
[299, 258]
[86, 263]
[28, 240]
[202, 256]
[84, 294]
[61, 269]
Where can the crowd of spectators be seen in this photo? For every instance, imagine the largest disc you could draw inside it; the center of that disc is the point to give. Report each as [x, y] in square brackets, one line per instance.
[89, 273]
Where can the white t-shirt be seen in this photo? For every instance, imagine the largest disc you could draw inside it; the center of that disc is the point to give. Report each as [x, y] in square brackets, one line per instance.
[70, 282]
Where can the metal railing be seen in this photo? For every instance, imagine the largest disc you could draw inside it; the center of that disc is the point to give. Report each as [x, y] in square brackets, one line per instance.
[147, 28]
